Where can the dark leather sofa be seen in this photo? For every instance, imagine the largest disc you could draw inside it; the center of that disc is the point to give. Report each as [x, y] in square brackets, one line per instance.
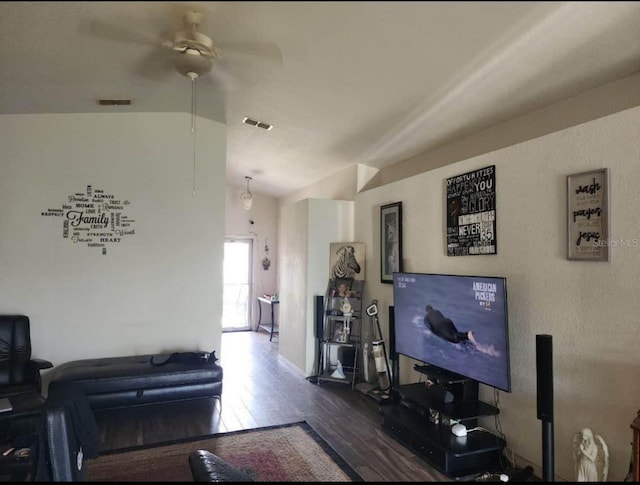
[132, 380]
[19, 373]
[207, 467]
[69, 437]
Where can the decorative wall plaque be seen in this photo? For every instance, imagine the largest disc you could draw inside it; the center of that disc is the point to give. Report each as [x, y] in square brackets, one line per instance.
[94, 218]
[588, 215]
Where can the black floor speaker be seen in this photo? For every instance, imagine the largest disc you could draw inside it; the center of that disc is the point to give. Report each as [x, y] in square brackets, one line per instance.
[319, 317]
[544, 381]
[544, 376]
[393, 355]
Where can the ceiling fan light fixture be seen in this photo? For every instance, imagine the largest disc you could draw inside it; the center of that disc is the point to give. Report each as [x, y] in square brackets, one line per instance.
[189, 62]
[247, 196]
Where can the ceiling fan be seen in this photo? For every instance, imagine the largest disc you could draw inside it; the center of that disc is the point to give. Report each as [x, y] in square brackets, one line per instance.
[193, 54]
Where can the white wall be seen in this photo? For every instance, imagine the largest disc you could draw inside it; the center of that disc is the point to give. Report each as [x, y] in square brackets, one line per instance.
[590, 308]
[157, 290]
[307, 228]
[264, 214]
[292, 271]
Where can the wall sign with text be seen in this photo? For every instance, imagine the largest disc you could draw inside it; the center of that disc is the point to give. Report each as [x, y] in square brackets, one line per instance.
[94, 218]
[588, 215]
[471, 213]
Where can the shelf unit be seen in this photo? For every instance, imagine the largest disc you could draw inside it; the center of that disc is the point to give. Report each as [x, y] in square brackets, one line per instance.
[422, 422]
[342, 330]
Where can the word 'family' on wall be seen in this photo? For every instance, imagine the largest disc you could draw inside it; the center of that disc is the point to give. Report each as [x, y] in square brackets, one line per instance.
[94, 218]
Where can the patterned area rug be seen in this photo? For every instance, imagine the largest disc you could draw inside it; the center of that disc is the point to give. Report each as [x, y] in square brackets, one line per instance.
[289, 453]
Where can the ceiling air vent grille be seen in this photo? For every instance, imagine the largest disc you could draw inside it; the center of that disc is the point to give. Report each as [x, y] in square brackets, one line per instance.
[258, 124]
[114, 102]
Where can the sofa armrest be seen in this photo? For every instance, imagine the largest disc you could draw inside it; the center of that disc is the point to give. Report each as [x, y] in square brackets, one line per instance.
[207, 467]
[33, 368]
[40, 364]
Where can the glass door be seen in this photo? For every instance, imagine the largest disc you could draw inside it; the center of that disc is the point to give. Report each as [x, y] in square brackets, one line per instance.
[236, 297]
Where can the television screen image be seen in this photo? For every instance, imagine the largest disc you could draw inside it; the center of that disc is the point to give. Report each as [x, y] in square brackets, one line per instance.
[456, 323]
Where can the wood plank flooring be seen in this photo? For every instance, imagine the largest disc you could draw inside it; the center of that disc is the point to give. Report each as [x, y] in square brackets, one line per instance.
[260, 388]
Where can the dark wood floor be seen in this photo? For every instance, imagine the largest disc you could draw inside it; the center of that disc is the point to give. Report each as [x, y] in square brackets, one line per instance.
[262, 389]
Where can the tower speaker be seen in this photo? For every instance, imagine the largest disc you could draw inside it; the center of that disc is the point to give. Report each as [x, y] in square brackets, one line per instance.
[393, 355]
[544, 375]
[319, 316]
[392, 334]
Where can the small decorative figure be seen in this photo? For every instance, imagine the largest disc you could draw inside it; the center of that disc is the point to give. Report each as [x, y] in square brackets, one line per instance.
[342, 289]
[591, 457]
[266, 262]
[346, 307]
[339, 372]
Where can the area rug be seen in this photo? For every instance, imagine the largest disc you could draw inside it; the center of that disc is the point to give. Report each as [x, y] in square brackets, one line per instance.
[289, 453]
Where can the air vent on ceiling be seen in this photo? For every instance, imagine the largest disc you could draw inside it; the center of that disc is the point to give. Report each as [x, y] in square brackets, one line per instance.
[259, 124]
[114, 102]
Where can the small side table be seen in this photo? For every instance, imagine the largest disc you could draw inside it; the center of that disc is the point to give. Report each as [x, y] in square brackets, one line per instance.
[265, 326]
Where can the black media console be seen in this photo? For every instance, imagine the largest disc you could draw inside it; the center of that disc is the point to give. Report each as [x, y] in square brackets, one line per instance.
[421, 419]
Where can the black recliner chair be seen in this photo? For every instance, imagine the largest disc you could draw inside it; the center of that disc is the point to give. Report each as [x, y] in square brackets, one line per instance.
[19, 373]
[68, 436]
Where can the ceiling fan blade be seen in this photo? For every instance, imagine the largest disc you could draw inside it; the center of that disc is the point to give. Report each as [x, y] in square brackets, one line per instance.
[244, 65]
[100, 28]
[156, 65]
[249, 51]
[224, 81]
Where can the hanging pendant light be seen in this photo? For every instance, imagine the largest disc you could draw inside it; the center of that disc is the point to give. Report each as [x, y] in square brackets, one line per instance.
[247, 197]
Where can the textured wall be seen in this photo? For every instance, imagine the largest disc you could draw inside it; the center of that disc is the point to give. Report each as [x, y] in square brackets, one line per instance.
[159, 289]
[590, 308]
[292, 277]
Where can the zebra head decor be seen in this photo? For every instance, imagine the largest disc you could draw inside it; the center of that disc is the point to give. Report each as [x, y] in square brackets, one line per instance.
[346, 266]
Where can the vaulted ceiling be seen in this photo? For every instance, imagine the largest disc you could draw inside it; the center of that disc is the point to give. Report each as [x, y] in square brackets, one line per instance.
[359, 82]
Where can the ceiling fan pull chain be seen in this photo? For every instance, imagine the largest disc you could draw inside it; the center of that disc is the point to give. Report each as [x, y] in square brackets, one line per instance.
[193, 104]
[193, 130]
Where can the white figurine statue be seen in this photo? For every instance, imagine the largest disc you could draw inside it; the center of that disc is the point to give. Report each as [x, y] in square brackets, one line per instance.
[591, 457]
[346, 307]
[339, 372]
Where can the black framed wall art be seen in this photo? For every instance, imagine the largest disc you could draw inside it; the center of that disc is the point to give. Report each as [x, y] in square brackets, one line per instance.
[390, 241]
[471, 213]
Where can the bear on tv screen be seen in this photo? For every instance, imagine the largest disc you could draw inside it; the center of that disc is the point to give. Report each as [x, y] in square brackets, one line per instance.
[456, 323]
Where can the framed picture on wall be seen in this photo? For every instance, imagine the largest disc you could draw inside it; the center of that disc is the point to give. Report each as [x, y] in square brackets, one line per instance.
[588, 215]
[346, 261]
[471, 213]
[390, 241]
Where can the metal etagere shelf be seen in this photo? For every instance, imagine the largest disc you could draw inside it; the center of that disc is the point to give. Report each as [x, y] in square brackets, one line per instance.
[342, 330]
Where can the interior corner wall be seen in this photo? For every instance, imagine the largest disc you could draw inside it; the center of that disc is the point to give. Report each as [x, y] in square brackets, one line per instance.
[590, 308]
[264, 229]
[307, 228]
[158, 289]
[292, 277]
[340, 185]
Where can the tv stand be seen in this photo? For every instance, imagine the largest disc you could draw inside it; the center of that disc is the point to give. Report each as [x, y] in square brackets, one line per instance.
[462, 388]
[422, 422]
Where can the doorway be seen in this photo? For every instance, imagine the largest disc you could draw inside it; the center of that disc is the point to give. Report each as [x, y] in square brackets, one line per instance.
[236, 293]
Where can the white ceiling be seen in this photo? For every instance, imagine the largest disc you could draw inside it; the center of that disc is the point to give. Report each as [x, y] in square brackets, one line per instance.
[360, 82]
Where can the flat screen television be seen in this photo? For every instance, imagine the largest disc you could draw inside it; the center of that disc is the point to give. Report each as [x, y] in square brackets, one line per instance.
[455, 323]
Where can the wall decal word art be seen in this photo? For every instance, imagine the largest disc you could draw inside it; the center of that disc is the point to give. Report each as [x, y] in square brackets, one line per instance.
[94, 218]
